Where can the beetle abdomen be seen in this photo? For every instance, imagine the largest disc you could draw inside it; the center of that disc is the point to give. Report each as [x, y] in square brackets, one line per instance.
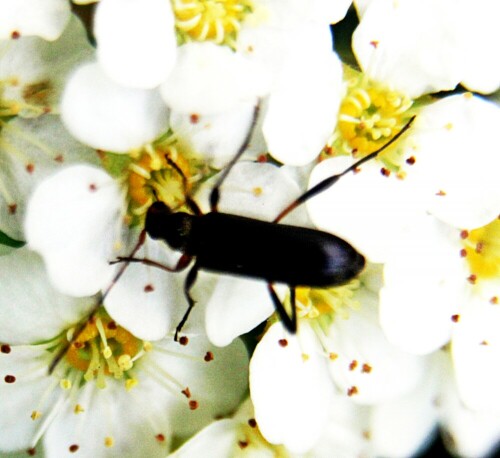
[274, 252]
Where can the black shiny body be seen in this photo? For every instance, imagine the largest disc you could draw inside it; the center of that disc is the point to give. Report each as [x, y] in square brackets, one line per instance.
[231, 244]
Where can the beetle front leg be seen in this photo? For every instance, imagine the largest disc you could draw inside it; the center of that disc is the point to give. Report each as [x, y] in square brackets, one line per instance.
[182, 263]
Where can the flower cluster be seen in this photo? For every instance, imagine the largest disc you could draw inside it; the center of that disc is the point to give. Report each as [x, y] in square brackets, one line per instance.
[248, 108]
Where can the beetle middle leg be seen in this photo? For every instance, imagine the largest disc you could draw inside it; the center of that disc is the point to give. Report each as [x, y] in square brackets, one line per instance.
[290, 323]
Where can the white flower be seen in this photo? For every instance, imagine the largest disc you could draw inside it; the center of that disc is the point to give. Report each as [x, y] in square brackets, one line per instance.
[43, 18]
[448, 42]
[458, 303]
[335, 353]
[438, 167]
[164, 388]
[393, 429]
[33, 143]
[33, 71]
[231, 53]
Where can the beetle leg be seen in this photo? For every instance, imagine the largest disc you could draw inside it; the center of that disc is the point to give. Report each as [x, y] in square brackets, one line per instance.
[182, 263]
[290, 324]
[188, 284]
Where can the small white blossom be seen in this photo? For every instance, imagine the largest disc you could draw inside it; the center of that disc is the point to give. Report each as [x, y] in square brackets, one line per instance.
[331, 356]
[164, 388]
[446, 40]
[43, 18]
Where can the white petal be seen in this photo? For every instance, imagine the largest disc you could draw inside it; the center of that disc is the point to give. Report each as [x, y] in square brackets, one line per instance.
[405, 425]
[103, 417]
[148, 301]
[136, 43]
[30, 150]
[216, 137]
[472, 433]
[210, 79]
[424, 287]
[330, 12]
[480, 74]
[34, 71]
[236, 306]
[404, 58]
[367, 209]
[475, 351]
[73, 221]
[290, 387]
[455, 157]
[217, 440]
[26, 293]
[304, 101]
[45, 18]
[377, 369]
[104, 115]
[218, 383]
[345, 431]
[26, 395]
[259, 191]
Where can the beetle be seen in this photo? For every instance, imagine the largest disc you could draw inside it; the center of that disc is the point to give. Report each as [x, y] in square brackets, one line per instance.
[207, 242]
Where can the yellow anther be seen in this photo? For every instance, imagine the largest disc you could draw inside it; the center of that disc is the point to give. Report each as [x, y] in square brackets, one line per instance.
[36, 414]
[109, 442]
[65, 384]
[107, 352]
[131, 383]
[125, 362]
[78, 409]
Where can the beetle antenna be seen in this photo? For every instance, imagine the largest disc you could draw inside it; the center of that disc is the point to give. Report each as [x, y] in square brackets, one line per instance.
[153, 190]
[215, 194]
[330, 181]
[60, 354]
[189, 200]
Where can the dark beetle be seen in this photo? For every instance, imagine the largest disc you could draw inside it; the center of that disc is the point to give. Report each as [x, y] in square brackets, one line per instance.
[231, 244]
[274, 252]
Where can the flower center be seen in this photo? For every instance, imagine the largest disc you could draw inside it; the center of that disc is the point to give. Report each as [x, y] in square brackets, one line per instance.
[370, 115]
[29, 101]
[103, 349]
[482, 251]
[322, 305]
[161, 171]
[210, 20]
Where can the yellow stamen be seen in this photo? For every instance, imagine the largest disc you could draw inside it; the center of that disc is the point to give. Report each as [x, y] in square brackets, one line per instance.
[482, 251]
[210, 20]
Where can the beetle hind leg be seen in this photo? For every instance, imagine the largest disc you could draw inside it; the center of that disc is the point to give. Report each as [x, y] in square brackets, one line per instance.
[188, 284]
